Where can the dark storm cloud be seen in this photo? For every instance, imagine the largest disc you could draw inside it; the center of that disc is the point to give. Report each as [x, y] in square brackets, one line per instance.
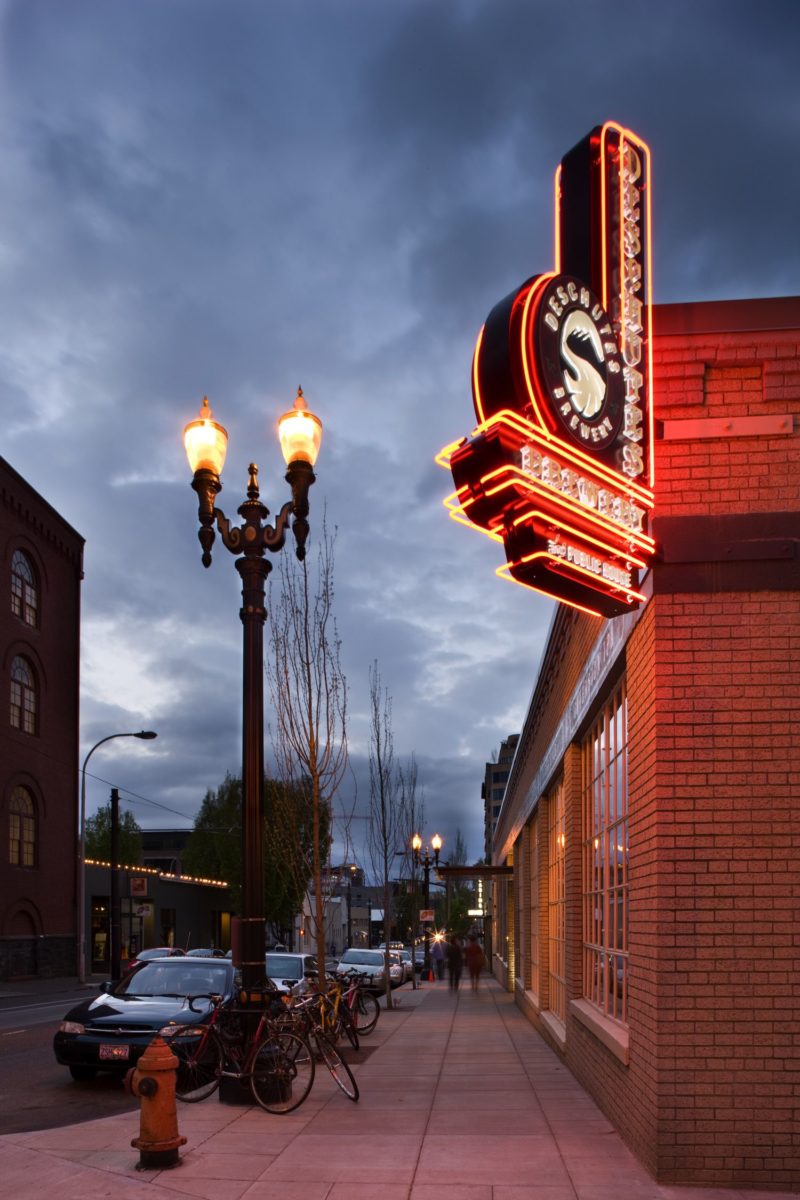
[236, 199]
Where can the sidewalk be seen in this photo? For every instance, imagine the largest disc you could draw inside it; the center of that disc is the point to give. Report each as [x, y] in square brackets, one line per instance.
[460, 1100]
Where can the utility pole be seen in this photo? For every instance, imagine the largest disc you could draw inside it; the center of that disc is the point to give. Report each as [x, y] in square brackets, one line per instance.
[115, 962]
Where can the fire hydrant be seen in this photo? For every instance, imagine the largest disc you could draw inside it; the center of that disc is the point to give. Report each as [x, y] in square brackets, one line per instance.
[153, 1081]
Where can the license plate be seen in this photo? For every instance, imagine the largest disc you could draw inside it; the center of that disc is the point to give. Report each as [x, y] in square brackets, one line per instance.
[116, 1053]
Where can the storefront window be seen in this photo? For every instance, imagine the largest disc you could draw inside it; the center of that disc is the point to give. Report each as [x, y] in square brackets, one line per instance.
[605, 859]
[556, 914]
[534, 877]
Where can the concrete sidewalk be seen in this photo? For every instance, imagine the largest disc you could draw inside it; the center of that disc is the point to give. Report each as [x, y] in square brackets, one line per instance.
[460, 1100]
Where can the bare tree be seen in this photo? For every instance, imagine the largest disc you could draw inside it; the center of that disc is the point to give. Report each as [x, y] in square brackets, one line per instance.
[309, 696]
[385, 838]
[412, 817]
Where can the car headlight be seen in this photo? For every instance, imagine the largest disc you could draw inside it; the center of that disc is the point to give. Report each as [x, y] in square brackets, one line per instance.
[170, 1030]
[71, 1027]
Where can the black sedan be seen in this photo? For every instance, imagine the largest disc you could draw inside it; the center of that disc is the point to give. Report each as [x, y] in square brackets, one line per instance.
[111, 1032]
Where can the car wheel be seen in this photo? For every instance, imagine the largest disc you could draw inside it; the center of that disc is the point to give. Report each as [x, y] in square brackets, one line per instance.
[82, 1073]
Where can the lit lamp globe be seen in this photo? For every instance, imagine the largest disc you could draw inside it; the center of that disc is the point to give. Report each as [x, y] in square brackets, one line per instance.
[206, 442]
[300, 433]
[436, 843]
[416, 843]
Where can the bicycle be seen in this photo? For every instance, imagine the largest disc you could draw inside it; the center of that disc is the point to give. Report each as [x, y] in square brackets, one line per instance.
[361, 1004]
[306, 1017]
[277, 1062]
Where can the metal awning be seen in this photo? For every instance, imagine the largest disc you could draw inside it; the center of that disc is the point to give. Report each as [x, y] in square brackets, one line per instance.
[484, 871]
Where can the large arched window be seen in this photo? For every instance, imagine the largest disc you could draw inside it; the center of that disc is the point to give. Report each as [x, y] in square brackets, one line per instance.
[23, 696]
[22, 829]
[24, 590]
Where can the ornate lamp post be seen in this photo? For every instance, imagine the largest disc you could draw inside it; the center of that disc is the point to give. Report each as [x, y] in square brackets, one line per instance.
[426, 862]
[145, 735]
[206, 442]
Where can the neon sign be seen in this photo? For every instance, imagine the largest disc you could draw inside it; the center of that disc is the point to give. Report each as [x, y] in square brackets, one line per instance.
[559, 468]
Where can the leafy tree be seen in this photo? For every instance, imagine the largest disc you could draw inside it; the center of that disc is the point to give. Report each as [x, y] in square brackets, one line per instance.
[215, 846]
[98, 837]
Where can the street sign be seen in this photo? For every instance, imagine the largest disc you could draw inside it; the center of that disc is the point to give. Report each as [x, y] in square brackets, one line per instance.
[426, 914]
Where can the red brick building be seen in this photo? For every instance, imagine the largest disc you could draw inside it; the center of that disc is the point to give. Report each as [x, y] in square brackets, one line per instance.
[41, 561]
[652, 816]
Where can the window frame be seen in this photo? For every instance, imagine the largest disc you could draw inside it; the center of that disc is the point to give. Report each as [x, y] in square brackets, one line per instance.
[22, 840]
[24, 589]
[557, 901]
[605, 858]
[23, 696]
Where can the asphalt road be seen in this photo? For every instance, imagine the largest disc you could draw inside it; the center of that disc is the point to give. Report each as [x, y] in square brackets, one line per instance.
[35, 1092]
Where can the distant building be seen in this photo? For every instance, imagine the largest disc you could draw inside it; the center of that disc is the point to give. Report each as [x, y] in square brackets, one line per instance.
[157, 908]
[41, 557]
[163, 849]
[493, 789]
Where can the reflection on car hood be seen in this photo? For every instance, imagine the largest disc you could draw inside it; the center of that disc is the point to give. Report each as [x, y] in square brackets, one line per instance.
[143, 1010]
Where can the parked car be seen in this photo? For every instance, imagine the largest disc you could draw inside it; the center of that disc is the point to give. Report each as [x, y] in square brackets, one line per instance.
[212, 952]
[112, 1031]
[292, 967]
[408, 964]
[154, 952]
[370, 962]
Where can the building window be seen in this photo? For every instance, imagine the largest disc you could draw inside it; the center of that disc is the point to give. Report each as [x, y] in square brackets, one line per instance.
[556, 902]
[23, 696]
[24, 593]
[605, 859]
[22, 829]
[533, 867]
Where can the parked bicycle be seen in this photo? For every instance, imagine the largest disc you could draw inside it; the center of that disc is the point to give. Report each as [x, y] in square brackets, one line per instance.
[361, 1003]
[308, 1017]
[276, 1061]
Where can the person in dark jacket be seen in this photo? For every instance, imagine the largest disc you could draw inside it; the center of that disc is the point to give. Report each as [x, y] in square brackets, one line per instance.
[455, 962]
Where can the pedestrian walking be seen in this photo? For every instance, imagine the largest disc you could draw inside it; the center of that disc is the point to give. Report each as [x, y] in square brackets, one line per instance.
[475, 960]
[455, 962]
[438, 954]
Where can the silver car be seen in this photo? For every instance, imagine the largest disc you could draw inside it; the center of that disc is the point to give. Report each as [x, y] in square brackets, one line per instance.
[370, 962]
[286, 970]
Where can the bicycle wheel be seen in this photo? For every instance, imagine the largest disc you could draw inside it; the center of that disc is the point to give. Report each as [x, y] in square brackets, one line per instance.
[347, 1022]
[338, 1068]
[367, 1011]
[282, 1072]
[199, 1065]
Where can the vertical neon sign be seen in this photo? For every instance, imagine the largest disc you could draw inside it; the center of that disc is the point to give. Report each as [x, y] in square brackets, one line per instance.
[560, 466]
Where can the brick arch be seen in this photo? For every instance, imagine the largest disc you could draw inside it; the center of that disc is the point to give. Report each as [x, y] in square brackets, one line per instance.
[22, 919]
[31, 550]
[26, 780]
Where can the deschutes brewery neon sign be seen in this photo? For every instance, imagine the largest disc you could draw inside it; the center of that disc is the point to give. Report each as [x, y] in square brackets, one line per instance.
[559, 469]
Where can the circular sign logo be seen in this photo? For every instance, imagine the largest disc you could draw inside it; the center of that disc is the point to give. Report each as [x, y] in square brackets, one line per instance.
[578, 362]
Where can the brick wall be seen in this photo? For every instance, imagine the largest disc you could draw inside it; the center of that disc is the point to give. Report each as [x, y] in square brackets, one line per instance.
[709, 1092]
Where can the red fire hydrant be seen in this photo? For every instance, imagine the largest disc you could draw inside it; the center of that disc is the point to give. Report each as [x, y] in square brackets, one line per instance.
[153, 1081]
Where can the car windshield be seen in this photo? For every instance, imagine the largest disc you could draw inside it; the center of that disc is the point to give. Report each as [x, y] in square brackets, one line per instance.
[174, 978]
[288, 966]
[363, 958]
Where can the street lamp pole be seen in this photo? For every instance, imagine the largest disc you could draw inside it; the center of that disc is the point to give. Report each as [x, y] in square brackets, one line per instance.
[426, 862]
[206, 444]
[145, 735]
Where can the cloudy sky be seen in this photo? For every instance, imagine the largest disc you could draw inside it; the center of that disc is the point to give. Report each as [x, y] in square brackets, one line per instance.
[235, 197]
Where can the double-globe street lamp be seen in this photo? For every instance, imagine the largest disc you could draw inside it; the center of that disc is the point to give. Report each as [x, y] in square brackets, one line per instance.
[426, 862]
[146, 735]
[206, 443]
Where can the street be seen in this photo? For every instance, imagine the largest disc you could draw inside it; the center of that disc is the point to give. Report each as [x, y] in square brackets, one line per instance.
[35, 1092]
